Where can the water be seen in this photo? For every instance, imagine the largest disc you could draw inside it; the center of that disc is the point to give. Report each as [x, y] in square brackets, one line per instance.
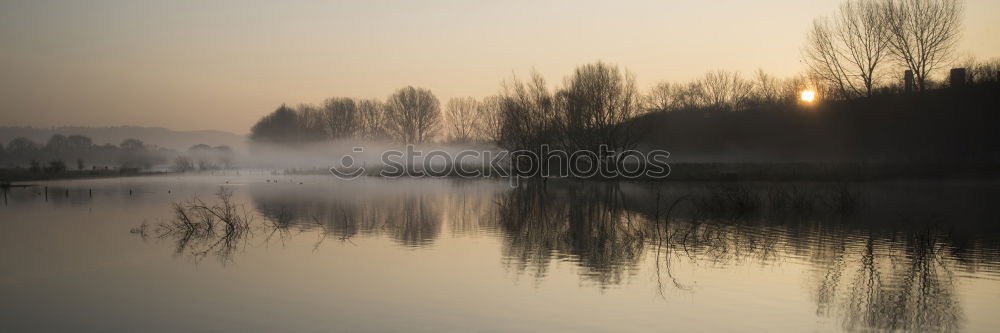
[475, 255]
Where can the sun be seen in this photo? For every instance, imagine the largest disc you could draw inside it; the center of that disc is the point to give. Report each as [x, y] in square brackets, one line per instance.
[808, 96]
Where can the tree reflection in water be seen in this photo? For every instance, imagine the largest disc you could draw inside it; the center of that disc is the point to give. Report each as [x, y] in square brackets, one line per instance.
[891, 286]
[870, 266]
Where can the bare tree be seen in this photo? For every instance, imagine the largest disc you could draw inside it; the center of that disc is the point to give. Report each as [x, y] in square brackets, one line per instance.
[846, 52]
[978, 71]
[661, 97]
[725, 90]
[490, 119]
[595, 106]
[371, 115]
[690, 96]
[789, 89]
[666, 96]
[339, 115]
[526, 114]
[766, 88]
[412, 115]
[311, 123]
[923, 34]
[461, 114]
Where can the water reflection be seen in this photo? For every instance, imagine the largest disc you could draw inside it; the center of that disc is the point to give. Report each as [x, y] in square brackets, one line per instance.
[199, 229]
[905, 283]
[412, 219]
[876, 260]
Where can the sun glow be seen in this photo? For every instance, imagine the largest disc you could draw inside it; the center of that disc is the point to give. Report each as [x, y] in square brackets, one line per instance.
[808, 96]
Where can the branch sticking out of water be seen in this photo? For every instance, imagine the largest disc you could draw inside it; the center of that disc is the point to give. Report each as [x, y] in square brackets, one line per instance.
[201, 228]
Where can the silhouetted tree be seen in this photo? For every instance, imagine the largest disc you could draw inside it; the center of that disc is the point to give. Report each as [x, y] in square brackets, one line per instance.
[666, 96]
[80, 142]
[490, 120]
[595, 106]
[461, 114]
[981, 71]
[371, 118]
[311, 123]
[412, 115]
[846, 51]
[766, 89]
[22, 147]
[132, 145]
[340, 116]
[923, 34]
[285, 126]
[661, 97]
[725, 90]
[527, 115]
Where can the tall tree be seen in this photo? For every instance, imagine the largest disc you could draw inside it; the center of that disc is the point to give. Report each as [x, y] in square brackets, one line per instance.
[526, 114]
[596, 105]
[662, 97]
[340, 116]
[371, 115]
[412, 115]
[282, 126]
[846, 51]
[725, 90]
[923, 34]
[461, 114]
[490, 119]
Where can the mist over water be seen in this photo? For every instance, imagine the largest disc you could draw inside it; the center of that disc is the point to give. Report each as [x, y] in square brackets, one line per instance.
[330, 154]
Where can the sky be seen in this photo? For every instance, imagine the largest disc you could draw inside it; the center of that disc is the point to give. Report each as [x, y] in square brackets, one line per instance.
[192, 65]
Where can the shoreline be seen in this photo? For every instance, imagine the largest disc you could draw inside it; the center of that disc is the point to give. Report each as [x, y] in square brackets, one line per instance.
[680, 172]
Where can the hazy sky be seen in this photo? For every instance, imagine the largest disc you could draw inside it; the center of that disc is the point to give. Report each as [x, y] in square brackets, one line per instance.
[223, 64]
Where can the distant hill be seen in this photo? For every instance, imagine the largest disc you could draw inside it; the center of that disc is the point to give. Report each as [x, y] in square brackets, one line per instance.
[178, 140]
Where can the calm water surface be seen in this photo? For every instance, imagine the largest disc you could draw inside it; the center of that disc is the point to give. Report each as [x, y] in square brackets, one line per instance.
[457, 255]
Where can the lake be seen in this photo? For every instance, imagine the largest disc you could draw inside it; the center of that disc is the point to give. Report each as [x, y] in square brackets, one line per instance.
[320, 254]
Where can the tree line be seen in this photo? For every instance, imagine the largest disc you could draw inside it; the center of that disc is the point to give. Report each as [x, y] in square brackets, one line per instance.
[410, 115]
[78, 152]
[855, 50]
[850, 55]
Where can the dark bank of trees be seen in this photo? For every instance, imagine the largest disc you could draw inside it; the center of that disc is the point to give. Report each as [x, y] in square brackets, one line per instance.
[79, 153]
[410, 115]
[937, 127]
[592, 109]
